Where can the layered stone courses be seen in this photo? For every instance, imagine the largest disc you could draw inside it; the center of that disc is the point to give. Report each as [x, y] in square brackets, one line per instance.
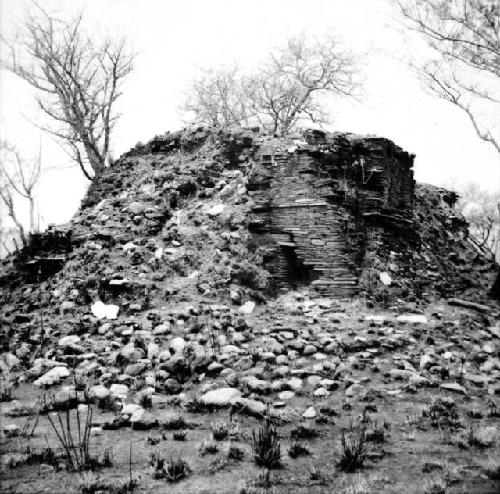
[315, 201]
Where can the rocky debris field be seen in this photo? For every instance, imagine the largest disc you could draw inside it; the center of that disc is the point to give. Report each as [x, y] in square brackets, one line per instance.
[145, 349]
[422, 387]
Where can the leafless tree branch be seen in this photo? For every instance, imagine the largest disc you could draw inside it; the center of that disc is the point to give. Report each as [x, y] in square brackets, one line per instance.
[282, 93]
[78, 81]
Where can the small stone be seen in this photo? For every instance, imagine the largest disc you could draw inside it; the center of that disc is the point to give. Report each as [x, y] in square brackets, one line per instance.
[313, 380]
[248, 307]
[11, 430]
[119, 390]
[103, 311]
[487, 436]
[320, 392]
[131, 408]
[153, 350]
[171, 386]
[418, 380]
[161, 329]
[177, 344]
[425, 362]
[66, 307]
[286, 395]
[295, 383]
[69, 340]
[216, 210]
[357, 390]
[453, 387]
[135, 369]
[136, 207]
[385, 278]
[143, 420]
[310, 413]
[11, 361]
[309, 349]
[215, 368]
[412, 319]
[99, 392]
[246, 406]
[53, 376]
[256, 385]
[488, 348]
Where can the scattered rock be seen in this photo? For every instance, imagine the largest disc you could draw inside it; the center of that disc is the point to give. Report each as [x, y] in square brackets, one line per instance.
[454, 388]
[310, 413]
[247, 307]
[103, 311]
[220, 397]
[53, 376]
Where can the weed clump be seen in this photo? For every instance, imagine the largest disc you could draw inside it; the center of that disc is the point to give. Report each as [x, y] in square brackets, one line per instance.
[297, 449]
[261, 483]
[235, 453]
[492, 469]
[266, 446]
[179, 435]
[5, 389]
[435, 486]
[94, 484]
[353, 450]
[172, 469]
[304, 432]
[144, 399]
[208, 447]
[443, 413]
[220, 430]
[173, 422]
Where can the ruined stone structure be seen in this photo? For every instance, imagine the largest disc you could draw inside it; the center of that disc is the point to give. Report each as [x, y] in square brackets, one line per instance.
[317, 200]
[328, 212]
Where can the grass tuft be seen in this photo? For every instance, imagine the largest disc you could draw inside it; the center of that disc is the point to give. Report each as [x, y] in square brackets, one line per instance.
[298, 449]
[208, 447]
[220, 430]
[353, 450]
[266, 446]
[235, 453]
[172, 469]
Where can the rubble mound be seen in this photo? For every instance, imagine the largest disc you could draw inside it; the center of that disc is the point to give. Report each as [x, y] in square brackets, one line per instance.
[240, 215]
[237, 217]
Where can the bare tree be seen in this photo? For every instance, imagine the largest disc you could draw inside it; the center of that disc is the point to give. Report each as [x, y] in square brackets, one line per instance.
[464, 37]
[482, 211]
[19, 176]
[78, 82]
[287, 89]
[283, 92]
[218, 98]
[464, 68]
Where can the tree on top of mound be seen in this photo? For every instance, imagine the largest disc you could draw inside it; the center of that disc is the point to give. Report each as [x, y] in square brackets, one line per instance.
[287, 89]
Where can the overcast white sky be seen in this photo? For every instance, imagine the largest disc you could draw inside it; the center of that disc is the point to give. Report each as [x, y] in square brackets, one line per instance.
[175, 38]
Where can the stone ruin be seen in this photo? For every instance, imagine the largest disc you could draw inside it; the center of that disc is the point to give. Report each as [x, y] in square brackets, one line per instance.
[316, 201]
[325, 211]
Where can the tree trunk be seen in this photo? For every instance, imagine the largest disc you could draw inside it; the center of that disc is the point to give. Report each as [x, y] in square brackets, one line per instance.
[32, 215]
[96, 161]
[495, 289]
